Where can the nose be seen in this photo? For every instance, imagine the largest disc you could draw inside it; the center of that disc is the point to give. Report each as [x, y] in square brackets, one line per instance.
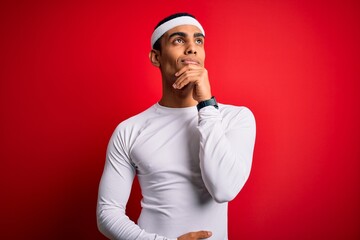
[190, 48]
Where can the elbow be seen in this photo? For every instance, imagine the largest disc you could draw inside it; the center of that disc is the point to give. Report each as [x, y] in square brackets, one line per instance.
[100, 222]
[227, 192]
[104, 226]
[104, 223]
[223, 197]
[223, 194]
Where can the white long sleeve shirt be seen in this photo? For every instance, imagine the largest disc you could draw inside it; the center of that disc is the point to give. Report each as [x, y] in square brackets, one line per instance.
[189, 165]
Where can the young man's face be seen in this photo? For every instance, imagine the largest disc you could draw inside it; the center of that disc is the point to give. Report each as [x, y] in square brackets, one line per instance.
[181, 46]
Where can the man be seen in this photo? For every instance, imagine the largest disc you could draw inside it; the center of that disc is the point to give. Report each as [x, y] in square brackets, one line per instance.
[191, 155]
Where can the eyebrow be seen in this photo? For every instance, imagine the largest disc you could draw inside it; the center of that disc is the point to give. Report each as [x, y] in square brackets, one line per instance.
[182, 34]
[199, 35]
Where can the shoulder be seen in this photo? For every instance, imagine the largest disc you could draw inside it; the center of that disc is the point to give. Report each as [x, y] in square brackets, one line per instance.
[131, 126]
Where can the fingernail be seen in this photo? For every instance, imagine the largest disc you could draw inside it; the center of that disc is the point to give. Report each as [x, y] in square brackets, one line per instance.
[174, 85]
[176, 74]
[209, 233]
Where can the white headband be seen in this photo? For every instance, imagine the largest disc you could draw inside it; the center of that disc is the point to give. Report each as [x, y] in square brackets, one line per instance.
[166, 26]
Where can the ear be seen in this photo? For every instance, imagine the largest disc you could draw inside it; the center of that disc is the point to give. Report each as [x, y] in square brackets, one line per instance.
[154, 57]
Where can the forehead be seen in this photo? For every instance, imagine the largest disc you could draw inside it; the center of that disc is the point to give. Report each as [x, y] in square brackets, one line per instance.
[188, 29]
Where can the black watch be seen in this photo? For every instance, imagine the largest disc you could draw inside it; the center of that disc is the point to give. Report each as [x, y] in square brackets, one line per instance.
[210, 102]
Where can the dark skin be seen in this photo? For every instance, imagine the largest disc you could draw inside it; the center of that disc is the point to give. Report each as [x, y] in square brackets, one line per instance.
[185, 80]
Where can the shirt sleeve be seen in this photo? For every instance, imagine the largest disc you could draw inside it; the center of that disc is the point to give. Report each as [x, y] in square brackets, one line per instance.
[226, 150]
[114, 191]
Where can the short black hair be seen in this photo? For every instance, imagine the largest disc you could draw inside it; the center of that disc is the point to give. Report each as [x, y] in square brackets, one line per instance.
[157, 45]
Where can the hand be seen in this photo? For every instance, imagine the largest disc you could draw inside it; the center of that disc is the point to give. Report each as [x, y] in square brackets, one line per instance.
[195, 235]
[199, 77]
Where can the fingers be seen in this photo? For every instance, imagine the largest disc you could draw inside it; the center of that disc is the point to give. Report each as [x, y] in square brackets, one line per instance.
[198, 76]
[190, 73]
[187, 68]
[185, 79]
[203, 234]
[195, 235]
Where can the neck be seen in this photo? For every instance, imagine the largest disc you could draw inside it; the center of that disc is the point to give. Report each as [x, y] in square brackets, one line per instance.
[177, 98]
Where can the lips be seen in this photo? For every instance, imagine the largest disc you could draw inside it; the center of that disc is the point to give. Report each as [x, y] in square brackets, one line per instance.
[190, 61]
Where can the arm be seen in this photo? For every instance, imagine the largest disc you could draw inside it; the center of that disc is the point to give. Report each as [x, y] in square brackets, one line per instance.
[114, 191]
[225, 154]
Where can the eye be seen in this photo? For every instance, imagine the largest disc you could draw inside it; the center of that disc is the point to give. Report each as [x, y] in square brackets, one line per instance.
[199, 41]
[178, 41]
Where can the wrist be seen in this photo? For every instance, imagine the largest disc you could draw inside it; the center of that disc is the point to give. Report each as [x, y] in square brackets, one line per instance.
[203, 98]
[208, 102]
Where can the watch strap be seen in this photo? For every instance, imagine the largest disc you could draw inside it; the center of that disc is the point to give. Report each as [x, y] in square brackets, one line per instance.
[210, 102]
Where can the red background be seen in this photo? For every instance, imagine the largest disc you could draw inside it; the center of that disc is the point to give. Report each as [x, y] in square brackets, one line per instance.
[71, 71]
